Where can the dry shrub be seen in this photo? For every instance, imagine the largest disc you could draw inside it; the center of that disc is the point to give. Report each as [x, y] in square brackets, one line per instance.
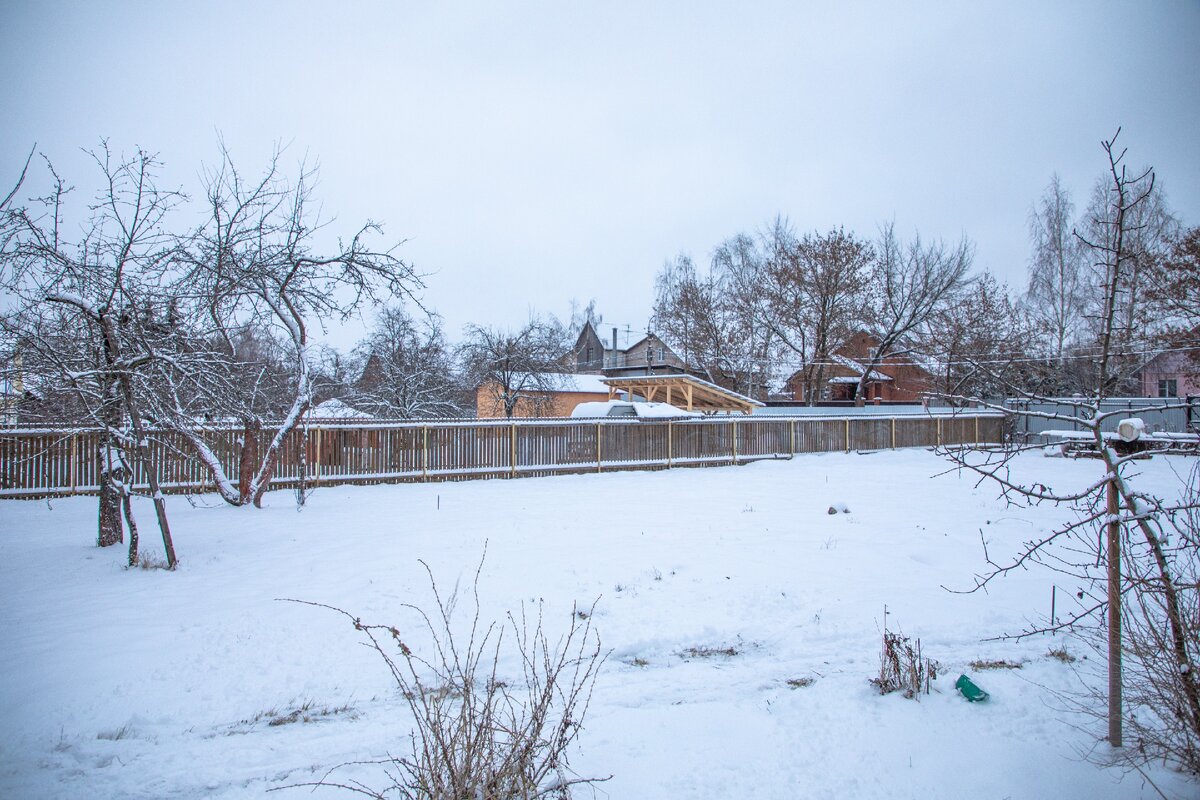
[476, 735]
[1060, 654]
[903, 668]
[709, 651]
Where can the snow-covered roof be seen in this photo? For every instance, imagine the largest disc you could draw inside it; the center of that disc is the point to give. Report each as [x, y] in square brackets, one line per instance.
[567, 382]
[336, 409]
[640, 410]
[857, 366]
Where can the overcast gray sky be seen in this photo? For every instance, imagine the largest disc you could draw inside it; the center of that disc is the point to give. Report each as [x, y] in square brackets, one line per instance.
[532, 153]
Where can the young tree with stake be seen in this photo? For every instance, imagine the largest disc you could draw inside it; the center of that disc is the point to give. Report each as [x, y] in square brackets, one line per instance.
[1136, 558]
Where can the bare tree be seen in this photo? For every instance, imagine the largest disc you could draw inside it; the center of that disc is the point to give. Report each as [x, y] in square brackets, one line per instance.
[263, 261]
[83, 321]
[714, 318]
[745, 363]
[1173, 293]
[1174, 284]
[516, 368]
[404, 368]
[815, 292]
[982, 343]
[1057, 291]
[910, 282]
[1149, 229]
[687, 311]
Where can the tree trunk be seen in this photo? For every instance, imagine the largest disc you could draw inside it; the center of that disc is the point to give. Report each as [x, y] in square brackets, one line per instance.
[127, 503]
[142, 446]
[111, 461]
[248, 463]
[110, 531]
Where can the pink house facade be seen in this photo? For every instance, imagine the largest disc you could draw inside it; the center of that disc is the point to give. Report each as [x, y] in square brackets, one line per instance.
[1171, 375]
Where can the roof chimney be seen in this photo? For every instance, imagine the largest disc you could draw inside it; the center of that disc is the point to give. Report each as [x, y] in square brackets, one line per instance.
[615, 347]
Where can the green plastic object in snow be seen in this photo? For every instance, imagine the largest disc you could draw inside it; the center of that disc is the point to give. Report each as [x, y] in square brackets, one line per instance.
[969, 690]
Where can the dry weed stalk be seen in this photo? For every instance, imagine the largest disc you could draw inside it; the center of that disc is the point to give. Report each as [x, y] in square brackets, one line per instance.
[902, 667]
[476, 736]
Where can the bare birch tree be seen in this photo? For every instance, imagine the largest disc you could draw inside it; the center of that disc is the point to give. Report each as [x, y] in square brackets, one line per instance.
[1057, 293]
[715, 317]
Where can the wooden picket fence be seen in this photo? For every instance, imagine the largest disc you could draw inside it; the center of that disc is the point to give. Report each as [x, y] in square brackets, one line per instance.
[54, 462]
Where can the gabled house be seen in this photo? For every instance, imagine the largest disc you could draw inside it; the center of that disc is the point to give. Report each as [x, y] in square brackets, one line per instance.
[896, 379]
[649, 355]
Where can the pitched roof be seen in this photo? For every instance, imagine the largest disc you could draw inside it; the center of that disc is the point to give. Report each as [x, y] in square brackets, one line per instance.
[678, 388]
[859, 367]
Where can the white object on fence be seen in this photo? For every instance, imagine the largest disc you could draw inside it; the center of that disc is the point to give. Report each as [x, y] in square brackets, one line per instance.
[1131, 429]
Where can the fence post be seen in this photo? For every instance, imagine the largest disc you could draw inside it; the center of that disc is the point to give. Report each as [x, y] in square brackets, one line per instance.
[976, 430]
[424, 452]
[74, 460]
[939, 432]
[793, 439]
[893, 433]
[512, 456]
[670, 444]
[598, 429]
[847, 434]
[735, 441]
[317, 477]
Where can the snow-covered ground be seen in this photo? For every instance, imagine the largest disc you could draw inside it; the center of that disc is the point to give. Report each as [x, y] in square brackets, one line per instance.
[144, 683]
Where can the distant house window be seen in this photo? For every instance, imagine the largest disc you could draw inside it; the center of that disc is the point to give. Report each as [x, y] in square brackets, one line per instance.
[1167, 387]
[662, 354]
[872, 352]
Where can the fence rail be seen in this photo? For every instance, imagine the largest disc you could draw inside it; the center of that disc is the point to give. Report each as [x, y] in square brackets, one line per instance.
[48, 462]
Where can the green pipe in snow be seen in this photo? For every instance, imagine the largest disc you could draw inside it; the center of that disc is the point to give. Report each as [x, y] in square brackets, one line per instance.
[969, 690]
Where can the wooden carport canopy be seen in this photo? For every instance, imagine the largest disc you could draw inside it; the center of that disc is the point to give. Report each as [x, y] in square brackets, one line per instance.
[682, 391]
